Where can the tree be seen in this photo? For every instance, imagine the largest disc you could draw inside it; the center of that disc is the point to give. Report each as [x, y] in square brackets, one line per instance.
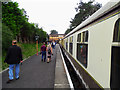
[13, 17]
[15, 25]
[7, 37]
[26, 32]
[53, 32]
[42, 35]
[67, 31]
[84, 11]
[17, 21]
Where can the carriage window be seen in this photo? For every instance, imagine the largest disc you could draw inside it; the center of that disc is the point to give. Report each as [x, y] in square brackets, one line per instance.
[79, 38]
[82, 50]
[115, 58]
[83, 36]
[115, 68]
[67, 44]
[86, 36]
[116, 37]
[71, 45]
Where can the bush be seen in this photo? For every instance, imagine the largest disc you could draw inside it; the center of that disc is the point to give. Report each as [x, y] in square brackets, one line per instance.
[7, 37]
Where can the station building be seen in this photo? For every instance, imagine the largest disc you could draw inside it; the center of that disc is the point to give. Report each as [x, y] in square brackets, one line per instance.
[56, 37]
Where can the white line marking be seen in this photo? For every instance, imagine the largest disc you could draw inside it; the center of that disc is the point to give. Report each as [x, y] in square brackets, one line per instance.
[77, 72]
[8, 68]
[61, 84]
[4, 70]
[68, 75]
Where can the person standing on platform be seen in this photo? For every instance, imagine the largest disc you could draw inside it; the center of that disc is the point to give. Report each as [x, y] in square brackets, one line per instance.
[13, 58]
[53, 44]
[43, 51]
[49, 52]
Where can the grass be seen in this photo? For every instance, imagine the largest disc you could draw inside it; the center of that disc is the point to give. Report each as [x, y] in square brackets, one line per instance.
[27, 50]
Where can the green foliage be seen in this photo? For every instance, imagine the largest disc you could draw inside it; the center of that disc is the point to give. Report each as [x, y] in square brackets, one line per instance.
[4, 65]
[27, 31]
[42, 35]
[12, 16]
[84, 11]
[67, 31]
[17, 21]
[53, 32]
[7, 37]
[29, 49]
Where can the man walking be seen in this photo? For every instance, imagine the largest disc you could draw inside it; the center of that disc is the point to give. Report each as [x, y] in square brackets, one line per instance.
[43, 51]
[13, 58]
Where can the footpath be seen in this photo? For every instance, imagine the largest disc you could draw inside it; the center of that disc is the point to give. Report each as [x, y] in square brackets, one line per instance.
[36, 74]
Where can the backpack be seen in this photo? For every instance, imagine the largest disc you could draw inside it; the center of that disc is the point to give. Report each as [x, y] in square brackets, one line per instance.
[49, 51]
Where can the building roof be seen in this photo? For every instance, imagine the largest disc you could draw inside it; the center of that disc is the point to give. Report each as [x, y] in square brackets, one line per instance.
[56, 35]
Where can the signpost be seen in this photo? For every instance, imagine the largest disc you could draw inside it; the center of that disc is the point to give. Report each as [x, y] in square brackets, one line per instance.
[36, 38]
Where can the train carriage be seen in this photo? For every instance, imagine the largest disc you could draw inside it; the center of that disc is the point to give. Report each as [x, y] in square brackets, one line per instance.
[94, 47]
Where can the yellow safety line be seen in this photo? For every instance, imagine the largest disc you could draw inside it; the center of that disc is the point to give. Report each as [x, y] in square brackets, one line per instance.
[107, 17]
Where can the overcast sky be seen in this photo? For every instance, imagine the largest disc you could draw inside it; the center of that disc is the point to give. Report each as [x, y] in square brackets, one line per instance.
[52, 14]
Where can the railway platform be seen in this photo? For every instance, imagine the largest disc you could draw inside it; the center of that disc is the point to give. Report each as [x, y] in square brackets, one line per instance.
[61, 80]
[35, 74]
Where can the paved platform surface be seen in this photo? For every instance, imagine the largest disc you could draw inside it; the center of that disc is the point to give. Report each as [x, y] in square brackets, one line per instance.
[61, 80]
[33, 74]
[37, 74]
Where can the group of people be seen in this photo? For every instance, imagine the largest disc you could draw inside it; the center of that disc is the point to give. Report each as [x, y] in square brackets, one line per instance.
[47, 50]
[14, 58]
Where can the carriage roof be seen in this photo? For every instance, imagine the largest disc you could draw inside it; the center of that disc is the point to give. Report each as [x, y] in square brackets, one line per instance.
[111, 5]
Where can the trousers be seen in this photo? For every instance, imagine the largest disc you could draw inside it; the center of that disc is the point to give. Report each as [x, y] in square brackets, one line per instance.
[44, 55]
[17, 70]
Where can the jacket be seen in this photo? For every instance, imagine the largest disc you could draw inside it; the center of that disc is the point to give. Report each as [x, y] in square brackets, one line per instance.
[14, 55]
[43, 48]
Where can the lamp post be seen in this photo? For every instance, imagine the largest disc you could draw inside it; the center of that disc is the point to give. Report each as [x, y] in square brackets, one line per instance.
[36, 38]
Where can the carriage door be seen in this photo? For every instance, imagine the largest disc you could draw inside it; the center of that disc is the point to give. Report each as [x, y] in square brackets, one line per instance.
[115, 60]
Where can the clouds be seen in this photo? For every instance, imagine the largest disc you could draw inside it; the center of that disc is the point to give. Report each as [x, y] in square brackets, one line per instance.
[50, 14]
